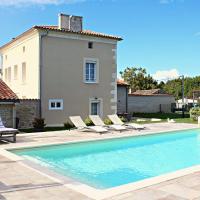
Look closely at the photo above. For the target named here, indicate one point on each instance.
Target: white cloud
(166, 75)
(36, 2)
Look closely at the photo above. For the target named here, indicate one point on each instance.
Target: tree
(174, 86)
(138, 79)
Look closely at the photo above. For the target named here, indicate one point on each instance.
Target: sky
(162, 36)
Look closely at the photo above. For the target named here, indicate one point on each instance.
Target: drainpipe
(41, 36)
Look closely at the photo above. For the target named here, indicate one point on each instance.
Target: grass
(164, 116)
(176, 115)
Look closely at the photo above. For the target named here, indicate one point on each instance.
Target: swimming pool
(108, 163)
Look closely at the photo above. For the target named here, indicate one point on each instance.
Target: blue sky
(161, 35)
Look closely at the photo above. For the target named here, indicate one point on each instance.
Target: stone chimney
(63, 21)
(70, 22)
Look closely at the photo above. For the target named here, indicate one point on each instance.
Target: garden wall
(150, 104)
(26, 111)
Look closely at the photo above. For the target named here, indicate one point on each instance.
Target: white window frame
(15, 72)
(6, 74)
(56, 101)
(96, 100)
(9, 74)
(24, 73)
(91, 60)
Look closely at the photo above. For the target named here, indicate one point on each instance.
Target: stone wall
(26, 111)
(150, 104)
(6, 113)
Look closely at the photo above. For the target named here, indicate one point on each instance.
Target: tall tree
(174, 86)
(138, 79)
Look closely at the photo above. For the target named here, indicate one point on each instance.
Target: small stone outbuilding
(8, 101)
(122, 97)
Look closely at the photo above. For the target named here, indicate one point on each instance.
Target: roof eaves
(87, 33)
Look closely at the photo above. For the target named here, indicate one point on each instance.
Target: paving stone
(181, 191)
(173, 197)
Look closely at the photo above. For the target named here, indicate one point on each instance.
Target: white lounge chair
(156, 120)
(98, 122)
(81, 126)
(117, 121)
(7, 132)
(171, 120)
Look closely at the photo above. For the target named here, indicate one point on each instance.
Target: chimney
(72, 23)
(63, 21)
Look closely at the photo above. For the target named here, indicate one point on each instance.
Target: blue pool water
(109, 163)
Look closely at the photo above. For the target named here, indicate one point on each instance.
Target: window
(91, 71)
(24, 72)
(24, 49)
(55, 104)
(96, 106)
(15, 72)
(6, 74)
(90, 45)
(6, 57)
(9, 74)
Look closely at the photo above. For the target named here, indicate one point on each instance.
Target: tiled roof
(152, 92)
(121, 82)
(84, 32)
(6, 93)
(55, 28)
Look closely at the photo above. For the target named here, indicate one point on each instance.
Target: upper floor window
(24, 72)
(15, 72)
(55, 104)
(91, 71)
(6, 74)
(90, 45)
(24, 49)
(9, 74)
(6, 57)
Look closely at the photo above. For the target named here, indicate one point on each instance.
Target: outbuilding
(150, 101)
(122, 97)
(8, 101)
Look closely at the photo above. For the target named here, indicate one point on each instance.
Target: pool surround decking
(40, 139)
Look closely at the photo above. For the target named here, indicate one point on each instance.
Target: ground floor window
(96, 107)
(55, 104)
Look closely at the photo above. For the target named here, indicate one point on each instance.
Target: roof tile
(6, 93)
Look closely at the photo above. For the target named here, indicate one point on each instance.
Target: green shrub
(88, 122)
(68, 125)
(38, 124)
(107, 121)
(195, 113)
(123, 119)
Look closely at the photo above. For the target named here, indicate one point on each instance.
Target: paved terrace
(19, 182)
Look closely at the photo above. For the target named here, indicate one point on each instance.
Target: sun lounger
(81, 126)
(7, 132)
(171, 120)
(117, 121)
(156, 120)
(98, 122)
